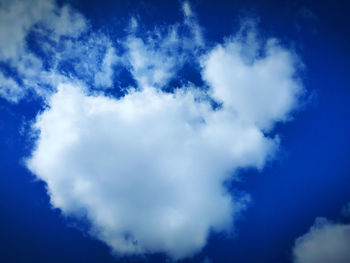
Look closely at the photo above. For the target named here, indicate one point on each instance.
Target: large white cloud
(325, 242)
(147, 169)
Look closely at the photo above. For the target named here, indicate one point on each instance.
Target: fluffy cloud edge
(326, 241)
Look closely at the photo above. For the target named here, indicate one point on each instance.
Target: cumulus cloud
(325, 242)
(259, 89)
(147, 169)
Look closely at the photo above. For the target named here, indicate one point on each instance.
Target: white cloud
(16, 19)
(59, 36)
(10, 90)
(90, 60)
(148, 169)
(156, 58)
(153, 63)
(191, 22)
(70, 50)
(187, 10)
(104, 77)
(325, 242)
(65, 22)
(259, 89)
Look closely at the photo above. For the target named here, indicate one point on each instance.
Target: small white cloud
(187, 9)
(10, 90)
(153, 63)
(104, 77)
(59, 29)
(192, 24)
(156, 58)
(325, 242)
(133, 25)
(259, 89)
(65, 22)
(16, 19)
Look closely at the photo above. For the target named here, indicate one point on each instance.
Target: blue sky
(161, 131)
